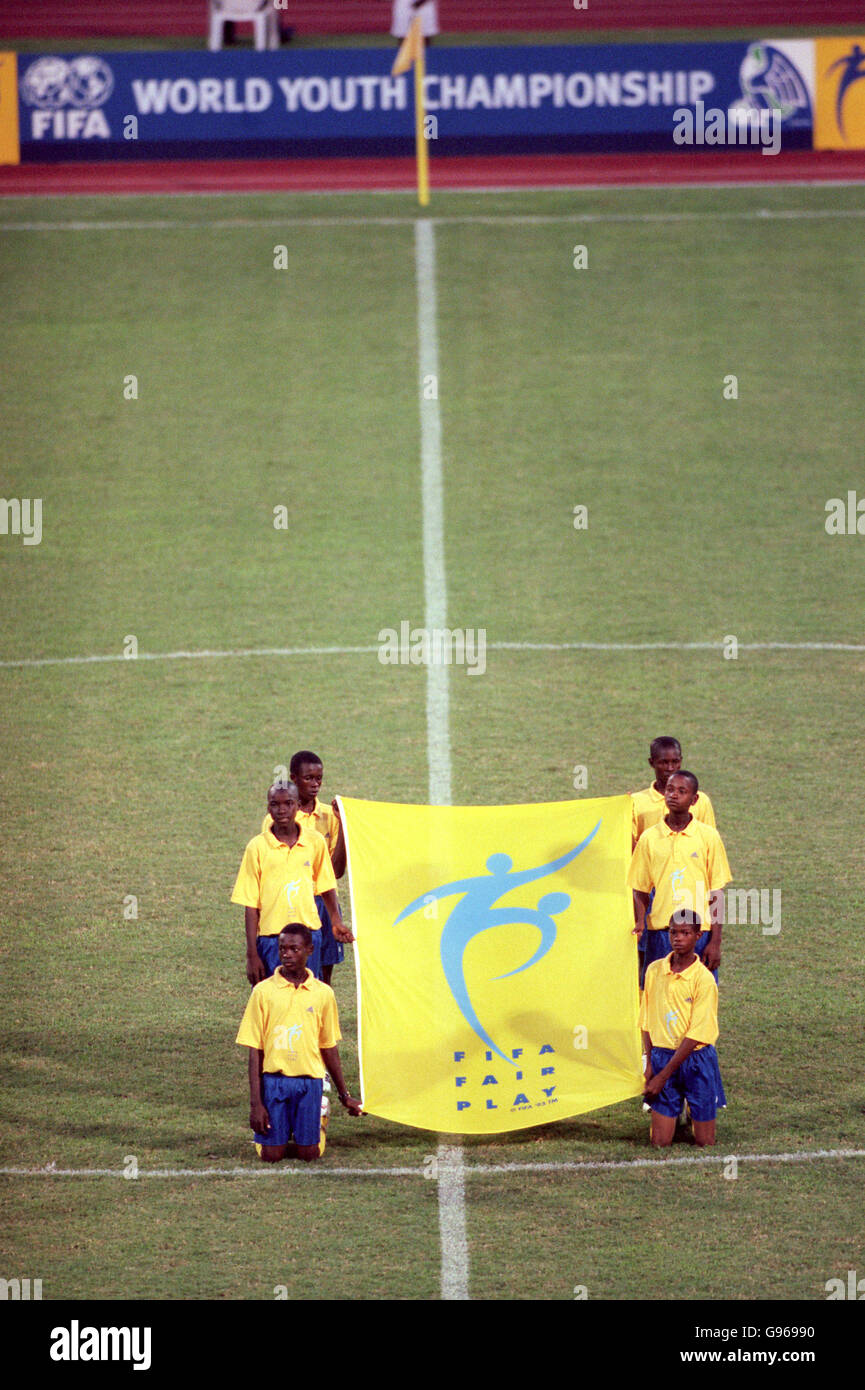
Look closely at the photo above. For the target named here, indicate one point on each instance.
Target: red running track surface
(398, 175)
(89, 20)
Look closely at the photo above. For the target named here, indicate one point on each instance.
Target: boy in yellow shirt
(306, 770)
(679, 1024)
(679, 862)
(282, 870)
(291, 1028)
(648, 806)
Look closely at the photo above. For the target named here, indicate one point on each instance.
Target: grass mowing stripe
(467, 219)
(451, 1183)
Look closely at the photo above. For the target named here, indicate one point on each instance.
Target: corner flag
(411, 51)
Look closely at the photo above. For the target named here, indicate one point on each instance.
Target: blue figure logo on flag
(475, 913)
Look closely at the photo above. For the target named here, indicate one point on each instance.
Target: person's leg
(704, 1133)
(268, 953)
(657, 944)
(704, 1092)
(314, 961)
(308, 1152)
(702, 942)
(272, 1153)
(273, 1146)
(306, 1118)
(331, 949)
(663, 1129)
(666, 1105)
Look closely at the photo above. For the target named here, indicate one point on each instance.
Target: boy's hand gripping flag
(497, 970)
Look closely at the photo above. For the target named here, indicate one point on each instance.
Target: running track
(398, 175)
(82, 19)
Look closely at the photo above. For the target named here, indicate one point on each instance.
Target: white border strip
(432, 488)
(214, 655)
(449, 1156)
(624, 186)
(506, 219)
(467, 1170)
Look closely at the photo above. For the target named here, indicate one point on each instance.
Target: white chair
(259, 13)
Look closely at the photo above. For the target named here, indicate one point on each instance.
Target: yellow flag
(497, 972)
(10, 148)
(409, 50)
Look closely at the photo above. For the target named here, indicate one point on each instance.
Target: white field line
(162, 224)
(215, 194)
(432, 490)
(468, 1170)
(449, 1158)
(216, 655)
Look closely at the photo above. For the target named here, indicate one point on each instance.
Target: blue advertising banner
(479, 100)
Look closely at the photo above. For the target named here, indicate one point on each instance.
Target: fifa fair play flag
(496, 966)
(411, 52)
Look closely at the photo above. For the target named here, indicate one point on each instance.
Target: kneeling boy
(679, 1022)
(291, 1028)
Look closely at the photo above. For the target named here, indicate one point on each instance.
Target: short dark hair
(685, 917)
(282, 786)
(299, 929)
(664, 741)
(690, 776)
(304, 756)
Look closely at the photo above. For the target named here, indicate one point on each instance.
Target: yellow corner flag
(411, 51)
(496, 966)
(10, 148)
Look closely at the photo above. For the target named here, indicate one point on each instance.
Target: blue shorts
(641, 943)
(658, 945)
(268, 954)
(697, 1080)
(293, 1105)
(331, 949)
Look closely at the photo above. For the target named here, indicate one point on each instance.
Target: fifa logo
(475, 913)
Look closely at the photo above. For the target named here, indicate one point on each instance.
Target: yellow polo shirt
(322, 818)
(676, 1006)
(683, 867)
(282, 882)
(290, 1024)
(649, 806)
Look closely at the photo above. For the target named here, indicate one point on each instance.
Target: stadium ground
(259, 387)
(398, 175)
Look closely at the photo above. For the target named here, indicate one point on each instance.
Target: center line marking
(449, 1158)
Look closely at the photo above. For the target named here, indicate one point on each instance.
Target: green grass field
(260, 388)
